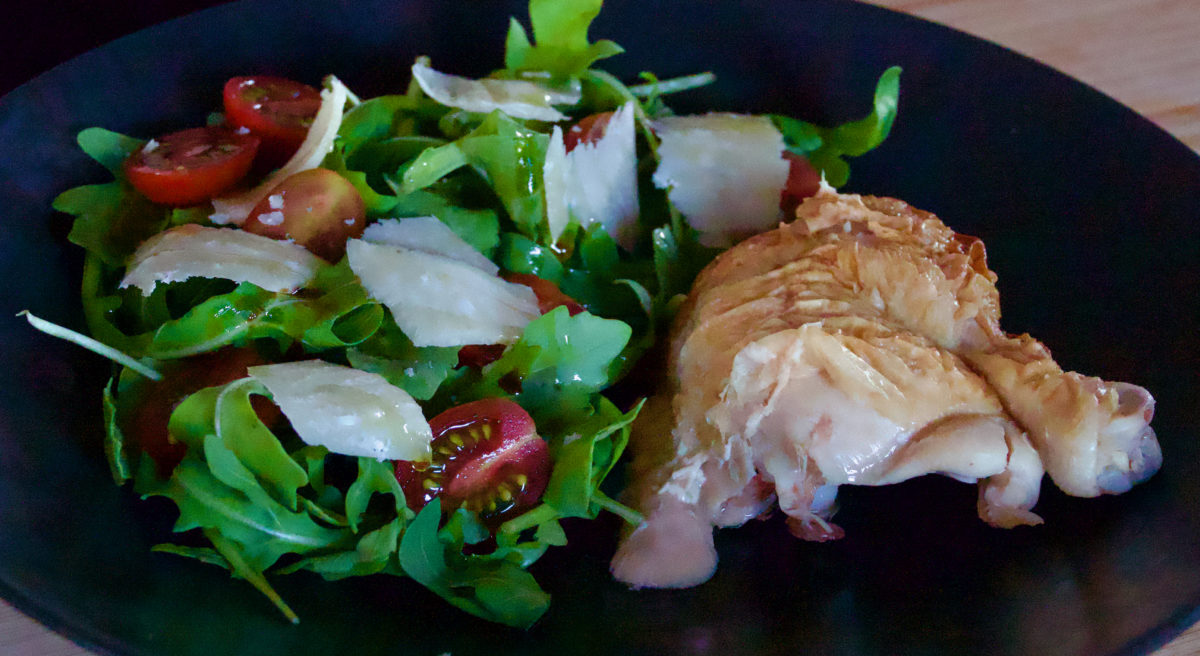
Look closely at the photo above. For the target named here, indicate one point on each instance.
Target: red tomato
(803, 180)
(487, 457)
(479, 356)
(191, 166)
(588, 130)
(317, 209)
(145, 407)
(549, 296)
(276, 109)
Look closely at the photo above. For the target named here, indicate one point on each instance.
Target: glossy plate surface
(1089, 213)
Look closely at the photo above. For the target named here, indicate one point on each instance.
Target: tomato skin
(478, 356)
(487, 457)
(803, 180)
(588, 130)
(191, 166)
(317, 209)
(276, 109)
(145, 406)
(549, 296)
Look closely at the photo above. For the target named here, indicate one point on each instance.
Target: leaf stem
(673, 85)
(251, 575)
(95, 346)
(619, 509)
(542, 513)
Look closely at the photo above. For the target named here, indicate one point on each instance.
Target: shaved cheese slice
(319, 141)
(439, 301)
(595, 182)
(347, 411)
(517, 98)
(429, 235)
(197, 251)
(724, 172)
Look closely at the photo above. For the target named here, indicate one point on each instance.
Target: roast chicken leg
(859, 345)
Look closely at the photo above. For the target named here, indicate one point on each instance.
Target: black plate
(1090, 214)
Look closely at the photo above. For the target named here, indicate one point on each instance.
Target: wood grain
(1144, 53)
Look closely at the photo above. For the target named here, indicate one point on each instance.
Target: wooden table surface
(1144, 53)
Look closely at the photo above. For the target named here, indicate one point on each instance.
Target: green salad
(361, 336)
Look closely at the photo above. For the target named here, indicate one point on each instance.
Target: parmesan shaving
(348, 411)
(193, 251)
(595, 182)
(725, 173)
(439, 301)
(428, 234)
(517, 98)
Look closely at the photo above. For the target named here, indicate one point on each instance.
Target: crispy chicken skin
(859, 344)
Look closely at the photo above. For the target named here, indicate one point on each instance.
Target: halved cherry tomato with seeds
(191, 166)
(487, 458)
(588, 130)
(317, 209)
(549, 296)
(276, 109)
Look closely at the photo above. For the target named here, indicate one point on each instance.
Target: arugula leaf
(114, 439)
(372, 554)
(384, 117)
(344, 314)
(341, 316)
(374, 476)
(109, 148)
(827, 148)
(111, 219)
(206, 555)
(225, 413)
(561, 361)
(416, 370)
(506, 153)
(560, 28)
(581, 463)
(478, 227)
(494, 589)
(263, 532)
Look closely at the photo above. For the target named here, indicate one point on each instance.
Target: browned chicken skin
(859, 344)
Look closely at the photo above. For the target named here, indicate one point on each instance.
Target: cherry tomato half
(145, 406)
(317, 209)
(191, 166)
(549, 296)
(803, 180)
(277, 110)
(588, 130)
(487, 457)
